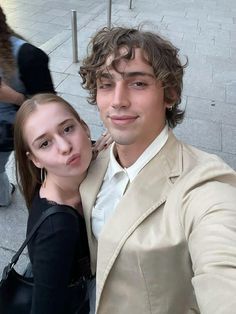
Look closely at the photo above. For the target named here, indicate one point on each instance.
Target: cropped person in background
(24, 72)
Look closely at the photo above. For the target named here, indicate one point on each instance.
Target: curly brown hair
(159, 53)
(7, 61)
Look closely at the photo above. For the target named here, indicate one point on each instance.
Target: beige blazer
(170, 247)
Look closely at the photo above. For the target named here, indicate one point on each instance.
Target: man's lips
(74, 159)
(123, 119)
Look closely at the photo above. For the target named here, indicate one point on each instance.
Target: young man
(160, 214)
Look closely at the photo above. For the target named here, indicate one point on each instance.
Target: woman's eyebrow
(44, 134)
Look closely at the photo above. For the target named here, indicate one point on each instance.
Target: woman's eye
(44, 144)
(68, 129)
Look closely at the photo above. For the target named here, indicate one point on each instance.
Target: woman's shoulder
(64, 217)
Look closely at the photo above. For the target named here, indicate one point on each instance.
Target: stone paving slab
(202, 133)
(204, 30)
(205, 109)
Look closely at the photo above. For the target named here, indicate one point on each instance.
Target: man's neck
(127, 155)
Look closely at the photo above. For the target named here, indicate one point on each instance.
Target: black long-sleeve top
(33, 69)
(60, 243)
(33, 76)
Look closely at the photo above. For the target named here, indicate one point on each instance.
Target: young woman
(53, 152)
(23, 71)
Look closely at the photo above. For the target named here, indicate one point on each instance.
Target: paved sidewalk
(204, 30)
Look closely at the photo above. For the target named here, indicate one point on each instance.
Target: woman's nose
(64, 145)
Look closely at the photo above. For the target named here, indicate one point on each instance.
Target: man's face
(131, 102)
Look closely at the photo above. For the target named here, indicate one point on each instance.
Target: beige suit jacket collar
(146, 193)
(89, 190)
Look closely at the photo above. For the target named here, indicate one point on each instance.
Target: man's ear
(170, 98)
(34, 160)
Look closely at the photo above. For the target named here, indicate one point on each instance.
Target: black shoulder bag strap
(50, 211)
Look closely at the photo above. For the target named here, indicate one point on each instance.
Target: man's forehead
(122, 62)
(122, 52)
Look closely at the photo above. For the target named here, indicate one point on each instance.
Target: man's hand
(102, 143)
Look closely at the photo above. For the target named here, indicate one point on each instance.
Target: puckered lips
(73, 160)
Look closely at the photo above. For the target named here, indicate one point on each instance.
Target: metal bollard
(74, 35)
(130, 4)
(109, 14)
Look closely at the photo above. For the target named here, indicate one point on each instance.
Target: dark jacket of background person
(24, 68)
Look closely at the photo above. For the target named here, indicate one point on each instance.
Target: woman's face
(57, 141)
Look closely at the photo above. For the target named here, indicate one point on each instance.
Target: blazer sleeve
(210, 226)
(53, 254)
(34, 71)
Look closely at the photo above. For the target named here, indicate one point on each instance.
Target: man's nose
(120, 95)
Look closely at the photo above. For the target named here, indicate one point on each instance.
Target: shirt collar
(132, 171)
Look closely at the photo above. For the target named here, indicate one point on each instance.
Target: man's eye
(104, 85)
(139, 84)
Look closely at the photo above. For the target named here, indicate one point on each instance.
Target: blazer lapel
(144, 195)
(89, 190)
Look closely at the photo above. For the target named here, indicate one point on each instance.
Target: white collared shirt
(116, 180)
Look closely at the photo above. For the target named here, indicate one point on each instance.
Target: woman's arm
(9, 95)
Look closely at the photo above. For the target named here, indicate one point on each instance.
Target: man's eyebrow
(137, 73)
(105, 75)
(108, 75)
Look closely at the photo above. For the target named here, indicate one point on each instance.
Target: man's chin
(123, 140)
